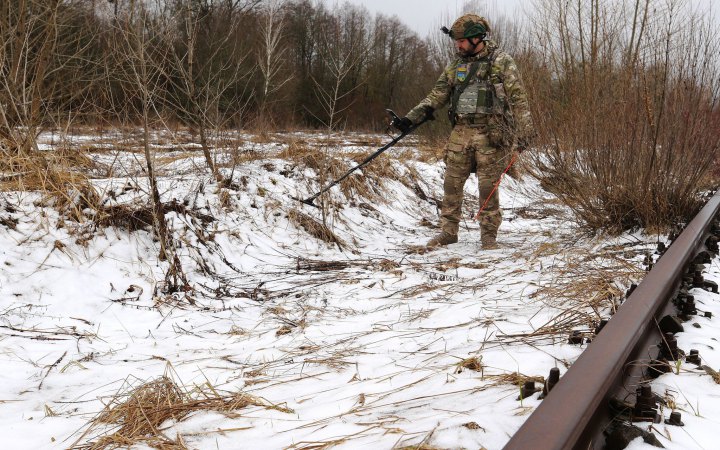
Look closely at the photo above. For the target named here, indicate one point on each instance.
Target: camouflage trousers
(468, 151)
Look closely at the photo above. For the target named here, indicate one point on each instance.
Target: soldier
(490, 117)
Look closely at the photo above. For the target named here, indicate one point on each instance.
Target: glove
(429, 113)
(403, 124)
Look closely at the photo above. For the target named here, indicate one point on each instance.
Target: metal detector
(395, 119)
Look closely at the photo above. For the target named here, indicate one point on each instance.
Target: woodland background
(624, 93)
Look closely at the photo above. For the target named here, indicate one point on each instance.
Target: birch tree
(272, 54)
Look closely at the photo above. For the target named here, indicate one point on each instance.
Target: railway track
(603, 397)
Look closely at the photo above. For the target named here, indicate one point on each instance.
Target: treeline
(212, 63)
(624, 93)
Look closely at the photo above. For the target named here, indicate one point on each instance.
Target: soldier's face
(467, 47)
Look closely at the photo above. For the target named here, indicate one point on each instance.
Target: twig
(51, 368)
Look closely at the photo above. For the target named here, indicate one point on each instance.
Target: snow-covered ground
(359, 343)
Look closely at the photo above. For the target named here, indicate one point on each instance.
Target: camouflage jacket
(503, 70)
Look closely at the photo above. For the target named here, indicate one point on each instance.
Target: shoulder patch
(462, 72)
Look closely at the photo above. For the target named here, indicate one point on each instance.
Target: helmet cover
(469, 26)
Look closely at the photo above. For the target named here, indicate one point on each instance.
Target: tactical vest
(476, 91)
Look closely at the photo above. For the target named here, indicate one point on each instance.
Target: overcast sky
(424, 16)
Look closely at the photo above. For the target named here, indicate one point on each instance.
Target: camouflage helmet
(468, 26)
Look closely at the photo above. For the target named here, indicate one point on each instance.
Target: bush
(626, 125)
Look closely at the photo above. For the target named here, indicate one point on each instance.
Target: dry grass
(582, 289)
(515, 379)
(138, 216)
(177, 154)
(136, 415)
(474, 364)
(33, 172)
(313, 227)
(713, 374)
(590, 284)
(225, 198)
(296, 150)
(431, 149)
(56, 176)
(128, 217)
(473, 426)
(367, 183)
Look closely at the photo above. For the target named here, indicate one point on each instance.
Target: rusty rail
(577, 410)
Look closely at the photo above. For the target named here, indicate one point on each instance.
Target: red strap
(497, 183)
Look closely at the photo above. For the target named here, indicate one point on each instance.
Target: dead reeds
(368, 183)
(141, 414)
(314, 227)
(55, 176)
(581, 290)
(514, 378)
(474, 363)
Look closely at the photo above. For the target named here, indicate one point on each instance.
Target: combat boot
(488, 240)
(444, 238)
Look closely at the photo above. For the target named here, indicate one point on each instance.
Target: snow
(366, 354)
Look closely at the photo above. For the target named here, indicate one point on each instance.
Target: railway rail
(595, 404)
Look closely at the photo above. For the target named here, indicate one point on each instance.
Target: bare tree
(203, 68)
(341, 52)
(271, 56)
(137, 52)
(40, 52)
(46, 71)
